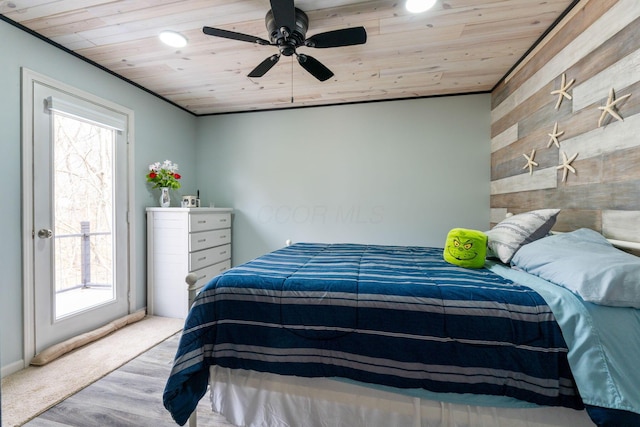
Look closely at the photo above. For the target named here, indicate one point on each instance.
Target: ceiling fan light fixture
(173, 39)
(419, 6)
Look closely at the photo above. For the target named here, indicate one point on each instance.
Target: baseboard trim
(12, 368)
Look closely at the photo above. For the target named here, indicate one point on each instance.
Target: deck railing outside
(90, 264)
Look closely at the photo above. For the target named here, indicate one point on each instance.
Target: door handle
(45, 233)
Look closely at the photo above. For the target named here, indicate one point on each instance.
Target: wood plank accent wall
(598, 45)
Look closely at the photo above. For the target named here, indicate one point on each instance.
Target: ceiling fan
(287, 26)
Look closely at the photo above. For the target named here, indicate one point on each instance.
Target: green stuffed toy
(466, 248)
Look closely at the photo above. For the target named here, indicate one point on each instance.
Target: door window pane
(83, 180)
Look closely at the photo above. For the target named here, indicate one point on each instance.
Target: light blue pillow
(584, 262)
(513, 232)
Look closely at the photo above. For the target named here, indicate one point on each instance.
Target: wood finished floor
(129, 396)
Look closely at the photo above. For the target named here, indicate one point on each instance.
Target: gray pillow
(516, 231)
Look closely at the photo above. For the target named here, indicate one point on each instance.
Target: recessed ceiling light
(173, 39)
(419, 6)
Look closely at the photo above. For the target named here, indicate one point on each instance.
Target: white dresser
(182, 241)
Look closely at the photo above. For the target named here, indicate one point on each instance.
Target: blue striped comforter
(389, 315)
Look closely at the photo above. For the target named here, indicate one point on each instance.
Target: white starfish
(562, 92)
(554, 136)
(530, 163)
(566, 165)
(610, 107)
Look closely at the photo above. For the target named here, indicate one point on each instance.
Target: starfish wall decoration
(562, 92)
(554, 136)
(610, 108)
(566, 165)
(530, 163)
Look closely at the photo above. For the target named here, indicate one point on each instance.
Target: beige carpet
(33, 390)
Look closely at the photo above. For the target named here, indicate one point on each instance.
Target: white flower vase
(165, 200)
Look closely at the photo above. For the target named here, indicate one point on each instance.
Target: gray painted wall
(399, 173)
(162, 131)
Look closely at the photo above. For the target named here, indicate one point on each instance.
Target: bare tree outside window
(83, 206)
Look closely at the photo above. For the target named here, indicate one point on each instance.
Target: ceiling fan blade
(314, 67)
(338, 38)
(234, 36)
(264, 66)
(284, 14)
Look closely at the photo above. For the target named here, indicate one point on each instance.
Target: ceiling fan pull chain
(292, 79)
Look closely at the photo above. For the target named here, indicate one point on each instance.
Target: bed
(372, 335)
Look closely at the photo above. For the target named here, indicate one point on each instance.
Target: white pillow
(516, 231)
(584, 262)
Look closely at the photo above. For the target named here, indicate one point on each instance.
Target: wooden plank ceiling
(460, 46)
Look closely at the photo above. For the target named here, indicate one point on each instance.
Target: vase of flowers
(164, 176)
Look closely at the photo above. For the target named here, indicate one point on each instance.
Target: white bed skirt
(255, 399)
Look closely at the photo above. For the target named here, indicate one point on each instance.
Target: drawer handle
(202, 240)
(202, 259)
(224, 236)
(223, 252)
(202, 221)
(223, 219)
(202, 277)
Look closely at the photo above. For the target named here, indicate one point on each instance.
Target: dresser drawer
(208, 273)
(209, 239)
(204, 258)
(208, 221)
